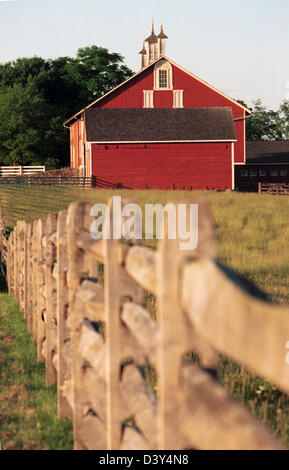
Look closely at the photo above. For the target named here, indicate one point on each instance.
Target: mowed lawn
(253, 239)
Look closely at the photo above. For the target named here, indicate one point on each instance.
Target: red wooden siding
(196, 95)
(165, 166)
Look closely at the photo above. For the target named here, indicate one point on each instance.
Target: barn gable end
(163, 84)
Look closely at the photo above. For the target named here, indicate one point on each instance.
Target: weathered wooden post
(20, 262)
(10, 263)
(63, 338)
(51, 321)
(40, 289)
(34, 279)
(78, 219)
(2, 227)
(117, 286)
(176, 333)
(15, 262)
(28, 295)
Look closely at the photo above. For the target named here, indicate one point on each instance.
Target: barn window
(283, 172)
(262, 172)
(253, 172)
(178, 99)
(274, 172)
(148, 99)
(163, 76)
(244, 172)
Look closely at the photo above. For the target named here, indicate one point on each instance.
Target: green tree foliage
(37, 96)
(267, 124)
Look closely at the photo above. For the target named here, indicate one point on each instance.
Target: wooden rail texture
(84, 302)
(77, 181)
(274, 188)
(20, 170)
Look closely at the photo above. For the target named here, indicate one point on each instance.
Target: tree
(284, 117)
(267, 125)
(37, 96)
(22, 117)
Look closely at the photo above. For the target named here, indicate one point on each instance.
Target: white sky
(239, 46)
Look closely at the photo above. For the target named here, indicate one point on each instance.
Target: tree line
(38, 95)
(267, 124)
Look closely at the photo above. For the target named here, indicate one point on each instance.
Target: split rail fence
(84, 301)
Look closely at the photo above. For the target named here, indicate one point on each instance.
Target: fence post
(34, 280)
(259, 188)
(176, 333)
(10, 263)
(63, 339)
(2, 228)
(116, 288)
(41, 291)
(51, 321)
(15, 259)
(20, 262)
(78, 217)
(28, 294)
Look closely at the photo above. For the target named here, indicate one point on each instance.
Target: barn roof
(268, 151)
(159, 125)
(139, 73)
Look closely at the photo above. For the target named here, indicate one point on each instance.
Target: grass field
(28, 410)
(253, 236)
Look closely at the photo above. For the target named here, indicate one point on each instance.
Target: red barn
(162, 128)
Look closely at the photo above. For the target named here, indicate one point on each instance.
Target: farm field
(253, 236)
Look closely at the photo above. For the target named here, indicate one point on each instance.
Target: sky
(241, 47)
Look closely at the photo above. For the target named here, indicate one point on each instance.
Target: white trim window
(148, 99)
(262, 173)
(178, 99)
(163, 76)
(283, 172)
(274, 172)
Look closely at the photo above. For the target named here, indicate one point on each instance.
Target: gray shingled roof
(268, 151)
(161, 124)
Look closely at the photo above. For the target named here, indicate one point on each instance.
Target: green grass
(28, 410)
(253, 239)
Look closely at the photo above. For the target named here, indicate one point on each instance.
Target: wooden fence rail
(78, 181)
(20, 170)
(274, 188)
(84, 302)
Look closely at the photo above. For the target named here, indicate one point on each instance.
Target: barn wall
(254, 174)
(165, 166)
(196, 95)
(77, 140)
